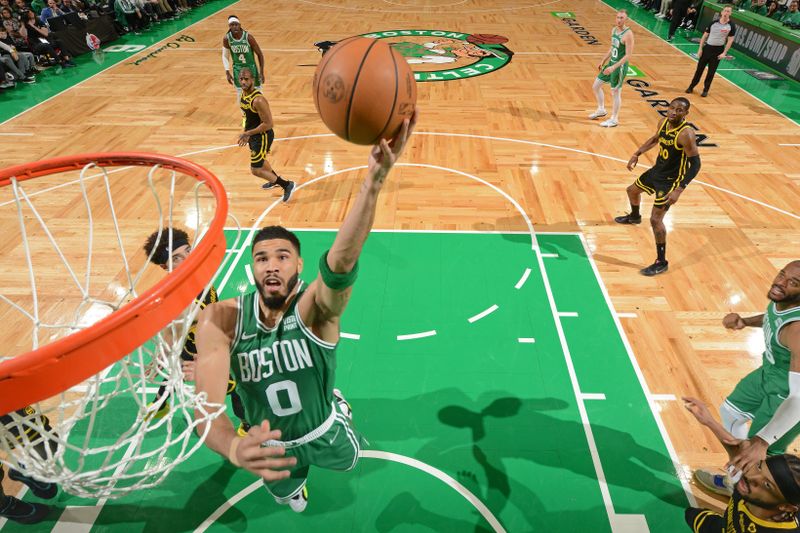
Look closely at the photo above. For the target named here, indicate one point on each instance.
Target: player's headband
(233, 19)
(161, 256)
(779, 468)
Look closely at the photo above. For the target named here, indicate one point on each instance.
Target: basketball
(363, 89)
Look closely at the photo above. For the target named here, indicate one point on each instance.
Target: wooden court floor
(521, 129)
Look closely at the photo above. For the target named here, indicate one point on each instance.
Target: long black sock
(634, 210)
(661, 251)
(282, 182)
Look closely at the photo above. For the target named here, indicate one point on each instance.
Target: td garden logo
(437, 55)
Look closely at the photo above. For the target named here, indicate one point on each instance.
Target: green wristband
(334, 280)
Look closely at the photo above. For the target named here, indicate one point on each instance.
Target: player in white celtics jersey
(613, 68)
(764, 408)
(279, 343)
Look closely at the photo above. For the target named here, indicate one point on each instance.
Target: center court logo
(438, 55)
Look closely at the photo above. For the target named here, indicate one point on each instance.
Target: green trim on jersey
(242, 56)
(284, 374)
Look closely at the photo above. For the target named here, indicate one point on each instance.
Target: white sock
(616, 97)
(598, 93)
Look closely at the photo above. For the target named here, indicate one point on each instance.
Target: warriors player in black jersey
(765, 500)
(12, 508)
(258, 133)
(677, 164)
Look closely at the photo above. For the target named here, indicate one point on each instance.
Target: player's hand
(229, 77)
(733, 321)
(721, 56)
(267, 462)
(261, 77)
(188, 370)
(243, 139)
(698, 409)
(14, 55)
(633, 161)
(751, 452)
(672, 198)
(699, 51)
(608, 71)
(600, 66)
(385, 154)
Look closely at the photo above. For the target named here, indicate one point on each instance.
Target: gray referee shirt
(718, 33)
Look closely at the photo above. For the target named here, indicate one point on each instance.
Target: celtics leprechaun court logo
(438, 55)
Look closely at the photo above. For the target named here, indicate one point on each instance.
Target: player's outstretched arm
(215, 327)
(736, 321)
(704, 416)
(328, 295)
(226, 60)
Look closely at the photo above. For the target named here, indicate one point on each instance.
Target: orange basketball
(363, 89)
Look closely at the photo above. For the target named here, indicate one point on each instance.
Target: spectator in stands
(52, 10)
(42, 43)
(690, 20)
(664, 11)
(772, 10)
(132, 15)
(12, 25)
(19, 8)
(759, 7)
(5, 83)
(21, 64)
(792, 16)
(678, 11)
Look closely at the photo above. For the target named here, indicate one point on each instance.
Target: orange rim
(40, 374)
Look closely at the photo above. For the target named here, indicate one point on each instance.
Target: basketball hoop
(110, 349)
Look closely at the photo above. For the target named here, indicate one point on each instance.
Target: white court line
(526, 340)
(550, 256)
(483, 313)
(593, 396)
(523, 279)
(249, 271)
(788, 144)
(729, 69)
(567, 314)
(663, 397)
(353, 336)
(372, 454)
(627, 315)
(466, 135)
(410, 336)
(637, 369)
(16, 134)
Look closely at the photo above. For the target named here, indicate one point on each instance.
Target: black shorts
(654, 183)
(259, 148)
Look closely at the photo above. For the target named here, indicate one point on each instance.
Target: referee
(717, 39)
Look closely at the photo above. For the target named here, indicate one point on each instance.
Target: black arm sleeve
(694, 168)
(704, 521)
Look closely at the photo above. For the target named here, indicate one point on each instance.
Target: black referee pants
(709, 58)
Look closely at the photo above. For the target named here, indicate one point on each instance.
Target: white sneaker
(610, 123)
(714, 482)
(597, 114)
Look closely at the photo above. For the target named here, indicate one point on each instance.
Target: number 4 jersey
(285, 374)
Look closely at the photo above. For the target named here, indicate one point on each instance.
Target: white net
(72, 254)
